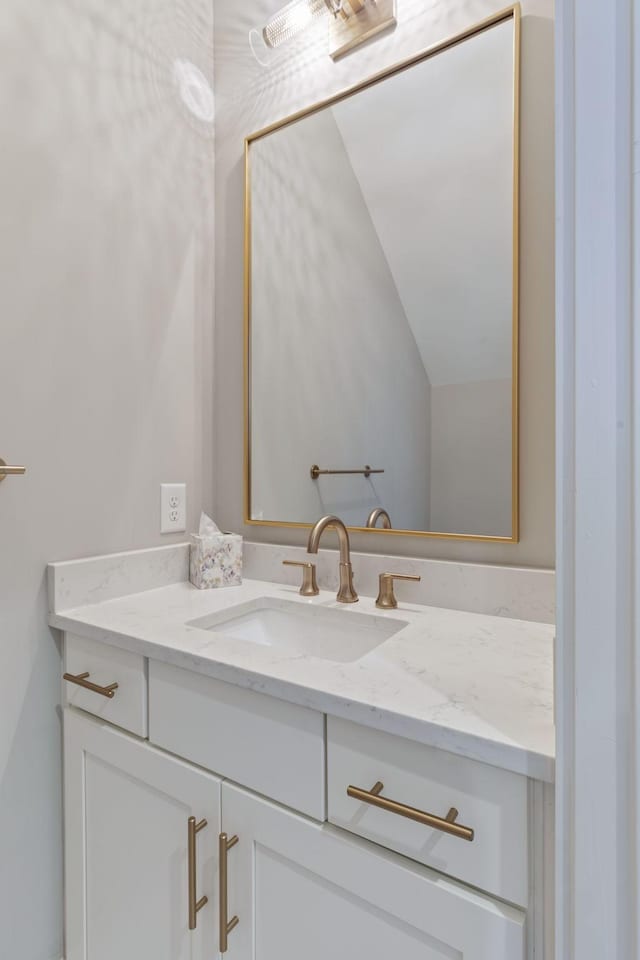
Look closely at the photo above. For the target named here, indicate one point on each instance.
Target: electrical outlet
(173, 507)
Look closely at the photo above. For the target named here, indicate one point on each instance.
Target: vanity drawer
(273, 747)
(492, 802)
(105, 666)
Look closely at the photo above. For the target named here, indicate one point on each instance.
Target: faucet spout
(375, 515)
(346, 592)
(343, 536)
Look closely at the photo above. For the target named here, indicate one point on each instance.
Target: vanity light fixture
(293, 19)
(351, 22)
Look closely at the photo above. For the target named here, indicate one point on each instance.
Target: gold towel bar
(7, 471)
(446, 824)
(315, 471)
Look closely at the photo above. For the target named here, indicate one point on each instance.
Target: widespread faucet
(346, 593)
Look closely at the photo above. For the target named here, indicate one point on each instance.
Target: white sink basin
(304, 629)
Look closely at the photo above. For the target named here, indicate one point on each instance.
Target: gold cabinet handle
(7, 471)
(446, 824)
(82, 680)
(226, 926)
(193, 828)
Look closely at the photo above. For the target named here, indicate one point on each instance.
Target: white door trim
(597, 548)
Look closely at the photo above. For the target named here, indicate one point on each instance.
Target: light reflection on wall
(194, 89)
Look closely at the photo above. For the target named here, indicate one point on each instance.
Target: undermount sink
(304, 629)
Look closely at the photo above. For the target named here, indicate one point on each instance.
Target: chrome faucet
(346, 593)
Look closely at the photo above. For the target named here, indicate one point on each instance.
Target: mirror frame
(512, 12)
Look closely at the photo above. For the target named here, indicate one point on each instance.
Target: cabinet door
(127, 807)
(303, 889)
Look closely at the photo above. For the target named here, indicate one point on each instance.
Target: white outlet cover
(173, 507)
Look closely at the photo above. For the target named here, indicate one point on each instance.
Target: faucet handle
(386, 598)
(309, 586)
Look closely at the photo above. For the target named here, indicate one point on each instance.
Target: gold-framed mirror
(381, 299)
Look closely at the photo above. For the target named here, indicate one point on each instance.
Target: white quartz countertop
(476, 685)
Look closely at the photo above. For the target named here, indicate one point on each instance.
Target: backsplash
(525, 593)
(519, 592)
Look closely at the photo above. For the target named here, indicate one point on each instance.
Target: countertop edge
(516, 759)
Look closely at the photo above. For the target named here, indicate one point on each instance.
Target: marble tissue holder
(215, 560)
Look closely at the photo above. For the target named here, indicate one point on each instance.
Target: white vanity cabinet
(304, 880)
(307, 890)
(95, 663)
(127, 810)
(273, 747)
(414, 780)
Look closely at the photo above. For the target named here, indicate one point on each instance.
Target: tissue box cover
(215, 561)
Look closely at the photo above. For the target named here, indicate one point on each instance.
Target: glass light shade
(293, 18)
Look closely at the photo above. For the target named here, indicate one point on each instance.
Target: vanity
(253, 772)
(263, 771)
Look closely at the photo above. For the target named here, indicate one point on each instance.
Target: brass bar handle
(82, 680)
(195, 905)
(226, 926)
(446, 824)
(309, 587)
(316, 472)
(8, 471)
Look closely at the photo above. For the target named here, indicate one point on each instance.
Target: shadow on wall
(106, 299)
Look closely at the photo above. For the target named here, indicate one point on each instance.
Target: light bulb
(293, 18)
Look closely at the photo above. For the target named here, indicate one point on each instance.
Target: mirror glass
(382, 300)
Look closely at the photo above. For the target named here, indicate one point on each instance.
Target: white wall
(250, 96)
(307, 209)
(105, 356)
(471, 457)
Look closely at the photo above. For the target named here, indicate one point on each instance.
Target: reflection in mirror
(382, 300)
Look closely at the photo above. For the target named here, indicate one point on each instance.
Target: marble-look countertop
(477, 685)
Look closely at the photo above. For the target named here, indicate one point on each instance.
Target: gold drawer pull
(446, 824)
(226, 926)
(81, 679)
(194, 904)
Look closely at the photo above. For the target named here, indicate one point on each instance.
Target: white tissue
(207, 526)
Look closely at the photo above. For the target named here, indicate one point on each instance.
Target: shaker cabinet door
(127, 810)
(304, 889)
